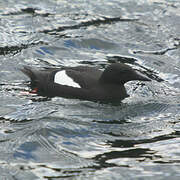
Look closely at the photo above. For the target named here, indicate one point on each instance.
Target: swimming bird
(83, 82)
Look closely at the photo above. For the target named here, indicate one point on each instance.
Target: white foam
(62, 78)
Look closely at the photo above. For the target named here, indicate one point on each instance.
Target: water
(60, 138)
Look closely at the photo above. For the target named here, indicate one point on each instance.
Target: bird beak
(141, 77)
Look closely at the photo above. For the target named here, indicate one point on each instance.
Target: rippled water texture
(60, 138)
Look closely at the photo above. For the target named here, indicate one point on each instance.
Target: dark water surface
(60, 138)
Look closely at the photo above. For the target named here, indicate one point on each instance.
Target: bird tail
(28, 72)
(32, 74)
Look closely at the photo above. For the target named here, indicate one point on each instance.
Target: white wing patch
(62, 78)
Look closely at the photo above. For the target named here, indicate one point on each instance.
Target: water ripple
(58, 138)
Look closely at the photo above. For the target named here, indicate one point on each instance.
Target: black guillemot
(83, 82)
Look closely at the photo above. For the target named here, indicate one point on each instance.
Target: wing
(86, 77)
